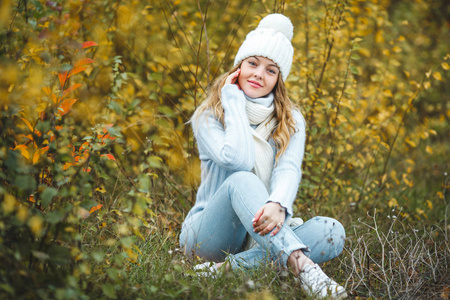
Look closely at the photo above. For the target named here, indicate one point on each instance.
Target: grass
(384, 258)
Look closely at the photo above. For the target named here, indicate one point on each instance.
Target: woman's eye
(272, 72)
(252, 63)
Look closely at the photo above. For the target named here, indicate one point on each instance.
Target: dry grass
(386, 258)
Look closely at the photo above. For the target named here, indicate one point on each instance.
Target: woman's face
(258, 76)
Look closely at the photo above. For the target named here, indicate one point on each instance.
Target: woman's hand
(268, 217)
(232, 78)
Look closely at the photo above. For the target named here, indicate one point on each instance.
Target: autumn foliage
(96, 155)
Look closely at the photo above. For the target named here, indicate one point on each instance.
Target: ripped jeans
(219, 231)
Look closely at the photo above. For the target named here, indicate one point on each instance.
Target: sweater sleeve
(230, 146)
(287, 172)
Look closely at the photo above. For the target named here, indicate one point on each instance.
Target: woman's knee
(245, 181)
(336, 232)
(242, 176)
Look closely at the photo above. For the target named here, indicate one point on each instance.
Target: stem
(307, 47)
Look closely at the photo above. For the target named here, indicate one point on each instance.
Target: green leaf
(154, 162)
(128, 241)
(109, 291)
(113, 273)
(25, 182)
(59, 255)
(155, 76)
(354, 70)
(47, 196)
(55, 216)
(168, 89)
(144, 183)
(166, 110)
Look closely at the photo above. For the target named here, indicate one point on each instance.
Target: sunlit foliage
(95, 152)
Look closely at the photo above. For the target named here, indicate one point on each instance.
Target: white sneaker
(207, 269)
(318, 285)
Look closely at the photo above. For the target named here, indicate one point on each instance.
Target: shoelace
(318, 279)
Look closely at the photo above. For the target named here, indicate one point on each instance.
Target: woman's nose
(258, 72)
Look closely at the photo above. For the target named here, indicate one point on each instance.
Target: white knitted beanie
(271, 39)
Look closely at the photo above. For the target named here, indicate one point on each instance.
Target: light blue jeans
(219, 231)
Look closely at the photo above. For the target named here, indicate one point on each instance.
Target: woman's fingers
(277, 228)
(265, 227)
(232, 77)
(257, 218)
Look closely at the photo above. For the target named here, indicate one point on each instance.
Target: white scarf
(263, 118)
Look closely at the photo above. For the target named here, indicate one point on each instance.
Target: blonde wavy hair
(283, 110)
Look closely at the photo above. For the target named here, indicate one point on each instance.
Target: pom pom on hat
(280, 23)
(271, 39)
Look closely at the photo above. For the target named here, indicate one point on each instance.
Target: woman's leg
(323, 236)
(222, 226)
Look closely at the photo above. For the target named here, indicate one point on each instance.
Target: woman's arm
(285, 179)
(230, 147)
(287, 173)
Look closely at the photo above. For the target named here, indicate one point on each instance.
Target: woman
(251, 142)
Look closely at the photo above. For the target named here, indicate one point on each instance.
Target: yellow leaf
(383, 179)
(23, 150)
(101, 190)
(393, 202)
(440, 195)
(421, 212)
(437, 76)
(35, 224)
(28, 124)
(428, 74)
(8, 204)
(445, 66)
(429, 150)
(397, 49)
(22, 214)
(406, 73)
(410, 161)
(364, 51)
(410, 142)
(38, 154)
(387, 93)
(379, 37)
(426, 85)
(408, 182)
(401, 38)
(429, 204)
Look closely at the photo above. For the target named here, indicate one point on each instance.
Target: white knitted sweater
(224, 151)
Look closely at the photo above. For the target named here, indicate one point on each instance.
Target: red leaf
(66, 106)
(76, 71)
(85, 146)
(82, 62)
(88, 44)
(62, 78)
(109, 156)
(94, 208)
(71, 89)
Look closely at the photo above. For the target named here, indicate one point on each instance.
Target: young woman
(251, 142)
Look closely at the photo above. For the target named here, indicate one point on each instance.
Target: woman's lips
(254, 84)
